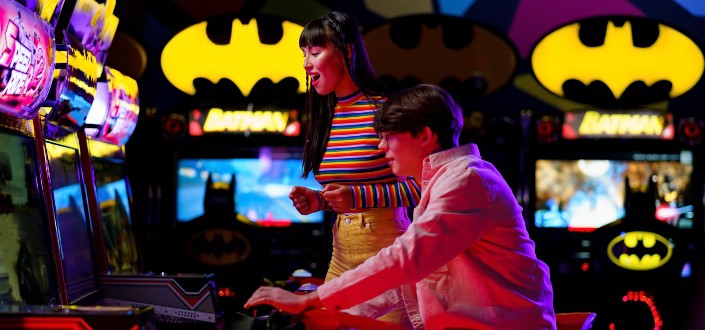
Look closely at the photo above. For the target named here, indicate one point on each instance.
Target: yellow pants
(358, 236)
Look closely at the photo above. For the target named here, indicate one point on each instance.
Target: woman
(341, 150)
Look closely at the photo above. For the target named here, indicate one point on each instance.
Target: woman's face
(326, 68)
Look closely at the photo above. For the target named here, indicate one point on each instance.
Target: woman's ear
(351, 53)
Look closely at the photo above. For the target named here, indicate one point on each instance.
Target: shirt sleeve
(451, 223)
(397, 194)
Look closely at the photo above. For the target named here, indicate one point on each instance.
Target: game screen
(26, 271)
(118, 230)
(74, 228)
(262, 186)
(585, 194)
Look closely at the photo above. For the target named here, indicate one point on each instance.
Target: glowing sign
(26, 60)
(76, 86)
(635, 124)
(217, 120)
(613, 60)
(115, 111)
(244, 60)
(48, 10)
(639, 250)
(95, 25)
(124, 109)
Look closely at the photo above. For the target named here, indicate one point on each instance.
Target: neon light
(244, 60)
(648, 240)
(595, 123)
(562, 56)
(219, 120)
(646, 298)
(26, 60)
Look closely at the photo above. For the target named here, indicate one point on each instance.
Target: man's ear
(428, 136)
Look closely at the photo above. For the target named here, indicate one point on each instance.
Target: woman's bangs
(314, 34)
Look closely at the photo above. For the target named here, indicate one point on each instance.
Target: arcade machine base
(188, 300)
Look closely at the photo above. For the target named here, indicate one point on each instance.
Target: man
(467, 260)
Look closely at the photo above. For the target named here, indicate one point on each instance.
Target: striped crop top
(352, 158)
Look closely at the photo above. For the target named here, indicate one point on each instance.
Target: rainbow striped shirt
(352, 158)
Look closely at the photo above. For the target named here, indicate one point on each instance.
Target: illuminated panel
(95, 25)
(244, 60)
(617, 61)
(642, 124)
(26, 60)
(217, 120)
(121, 109)
(99, 110)
(76, 86)
(585, 194)
(48, 10)
(640, 250)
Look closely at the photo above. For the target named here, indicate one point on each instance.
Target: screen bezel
(84, 292)
(37, 201)
(137, 265)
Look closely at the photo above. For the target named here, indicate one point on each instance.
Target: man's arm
(455, 218)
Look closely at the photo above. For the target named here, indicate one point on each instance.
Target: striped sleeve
(395, 194)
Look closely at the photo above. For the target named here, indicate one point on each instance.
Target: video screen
(262, 186)
(71, 213)
(118, 230)
(26, 271)
(585, 194)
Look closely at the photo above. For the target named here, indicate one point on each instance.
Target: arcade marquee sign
(596, 123)
(26, 60)
(217, 120)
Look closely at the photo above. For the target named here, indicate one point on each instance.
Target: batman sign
(219, 247)
(467, 59)
(639, 250)
(617, 61)
(248, 54)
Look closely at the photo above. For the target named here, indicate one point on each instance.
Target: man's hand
(284, 300)
(338, 197)
(305, 200)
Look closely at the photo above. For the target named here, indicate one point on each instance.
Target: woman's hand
(305, 200)
(338, 197)
(284, 300)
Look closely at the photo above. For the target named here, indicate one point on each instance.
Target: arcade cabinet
(618, 218)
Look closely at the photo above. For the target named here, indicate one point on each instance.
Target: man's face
(404, 153)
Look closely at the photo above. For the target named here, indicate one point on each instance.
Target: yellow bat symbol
(617, 59)
(245, 60)
(640, 250)
(431, 61)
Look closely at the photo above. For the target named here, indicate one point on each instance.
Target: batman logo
(617, 62)
(639, 250)
(247, 54)
(467, 59)
(219, 247)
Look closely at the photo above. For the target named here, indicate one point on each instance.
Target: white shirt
(466, 261)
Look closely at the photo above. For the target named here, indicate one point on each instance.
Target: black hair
(342, 31)
(420, 106)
